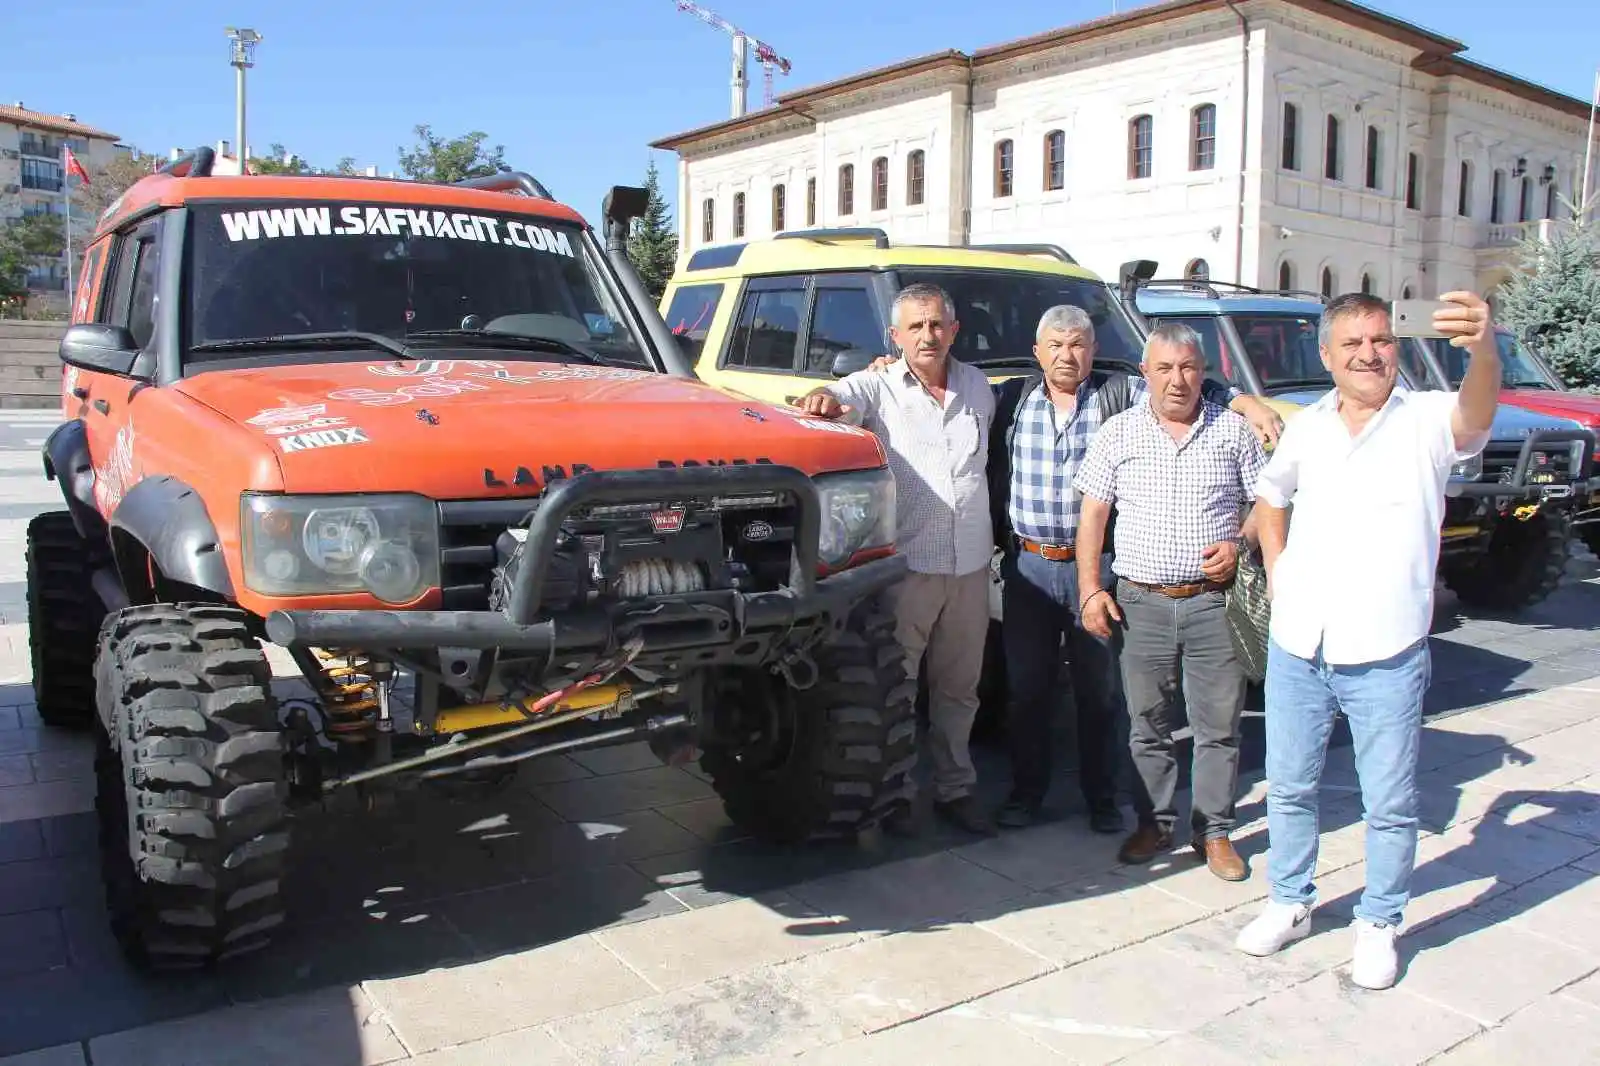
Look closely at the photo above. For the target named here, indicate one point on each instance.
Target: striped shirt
(1046, 451)
(1174, 499)
(939, 454)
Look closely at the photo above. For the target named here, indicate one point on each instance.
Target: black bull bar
(1571, 481)
(714, 616)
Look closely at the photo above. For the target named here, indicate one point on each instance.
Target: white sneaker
(1376, 964)
(1275, 927)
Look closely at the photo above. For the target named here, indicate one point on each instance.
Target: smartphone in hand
(1414, 318)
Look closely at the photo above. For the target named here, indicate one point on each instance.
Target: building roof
(794, 103)
(17, 115)
(1437, 55)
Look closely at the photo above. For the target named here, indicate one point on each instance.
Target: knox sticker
(323, 438)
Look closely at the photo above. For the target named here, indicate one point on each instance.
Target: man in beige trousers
(933, 415)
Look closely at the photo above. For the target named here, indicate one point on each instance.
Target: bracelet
(1090, 597)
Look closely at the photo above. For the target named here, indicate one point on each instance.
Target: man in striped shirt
(933, 414)
(1181, 472)
(1043, 428)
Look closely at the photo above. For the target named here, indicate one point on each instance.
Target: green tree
(1554, 296)
(279, 160)
(24, 241)
(652, 242)
(435, 159)
(106, 183)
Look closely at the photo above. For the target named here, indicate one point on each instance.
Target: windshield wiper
(494, 339)
(336, 339)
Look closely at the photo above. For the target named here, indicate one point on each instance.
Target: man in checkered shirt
(1180, 471)
(1044, 422)
(932, 413)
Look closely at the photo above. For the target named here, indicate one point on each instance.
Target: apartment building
(1312, 144)
(32, 173)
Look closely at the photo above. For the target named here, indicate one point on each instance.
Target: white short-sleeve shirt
(1356, 577)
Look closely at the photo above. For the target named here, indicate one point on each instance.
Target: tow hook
(1525, 511)
(798, 669)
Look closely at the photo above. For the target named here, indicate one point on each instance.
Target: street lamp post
(242, 55)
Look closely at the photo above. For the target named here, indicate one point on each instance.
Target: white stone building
(1313, 144)
(31, 176)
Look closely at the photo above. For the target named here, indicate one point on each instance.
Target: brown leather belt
(1055, 553)
(1181, 592)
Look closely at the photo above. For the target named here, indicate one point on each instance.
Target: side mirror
(851, 360)
(96, 346)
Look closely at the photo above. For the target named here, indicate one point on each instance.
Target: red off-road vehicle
(436, 442)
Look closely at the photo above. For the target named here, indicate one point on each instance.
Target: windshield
(1518, 368)
(1282, 349)
(999, 312)
(274, 269)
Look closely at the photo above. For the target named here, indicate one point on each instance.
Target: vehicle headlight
(387, 545)
(858, 511)
(1468, 469)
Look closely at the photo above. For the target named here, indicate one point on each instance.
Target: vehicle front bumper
(728, 624)
(1575, 482)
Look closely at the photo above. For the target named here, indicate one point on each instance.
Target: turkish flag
(75, 167)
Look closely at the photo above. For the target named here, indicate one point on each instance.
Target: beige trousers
(948, 618)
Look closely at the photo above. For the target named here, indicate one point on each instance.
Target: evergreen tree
(652, 242)
(1554, 298)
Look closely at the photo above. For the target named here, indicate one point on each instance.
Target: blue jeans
(1383, 701)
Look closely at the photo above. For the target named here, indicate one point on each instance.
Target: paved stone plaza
(603, 910)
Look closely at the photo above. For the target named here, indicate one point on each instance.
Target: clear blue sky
(574, 90)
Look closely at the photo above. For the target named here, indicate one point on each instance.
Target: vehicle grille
(1500, 461)
(758, 533)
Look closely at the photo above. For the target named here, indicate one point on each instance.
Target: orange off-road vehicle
(437, 443)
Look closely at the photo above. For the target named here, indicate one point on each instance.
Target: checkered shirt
(1173, 499)
(939, 456)
(1045, 454)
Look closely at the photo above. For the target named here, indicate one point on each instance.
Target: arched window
(1405, 292)
(1203, 137)
(1525, 201)
(777, 208)
(915, 162)
(811, 201)
(1197, 270)
(1285, 275)
(738, 214)
(1374, 145)
(1332, 156)
(1550, 201)
(1497, 198)
(1464, 191)
(1366, 284)
(1290, 158)
(880, 183)
(1141, 147)
(1327, 281)
(847, 189)
(1413, 179)
(708, 219)
(1003, 159)
(1055, 160)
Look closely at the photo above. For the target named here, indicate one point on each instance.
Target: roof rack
(507, 181)
(879, 238)
(1211, 288)
(195, 164)
(1055, 251)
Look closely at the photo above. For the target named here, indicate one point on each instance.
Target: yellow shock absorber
(483, 715)
(349, 693)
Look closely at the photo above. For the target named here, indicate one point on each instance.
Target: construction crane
(766, 55)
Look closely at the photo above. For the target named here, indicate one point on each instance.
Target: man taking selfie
(1351, 584)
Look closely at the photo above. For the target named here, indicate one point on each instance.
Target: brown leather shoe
(1220, 857)
(1144, 844)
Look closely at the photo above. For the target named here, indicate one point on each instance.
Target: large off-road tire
(191, 785)
(1591, 536)
(64, 615)
(837, 755)
(1522, 565)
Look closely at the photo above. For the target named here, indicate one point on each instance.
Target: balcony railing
(41, 183)
(1511, 234)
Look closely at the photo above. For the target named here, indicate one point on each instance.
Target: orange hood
(456, 429)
